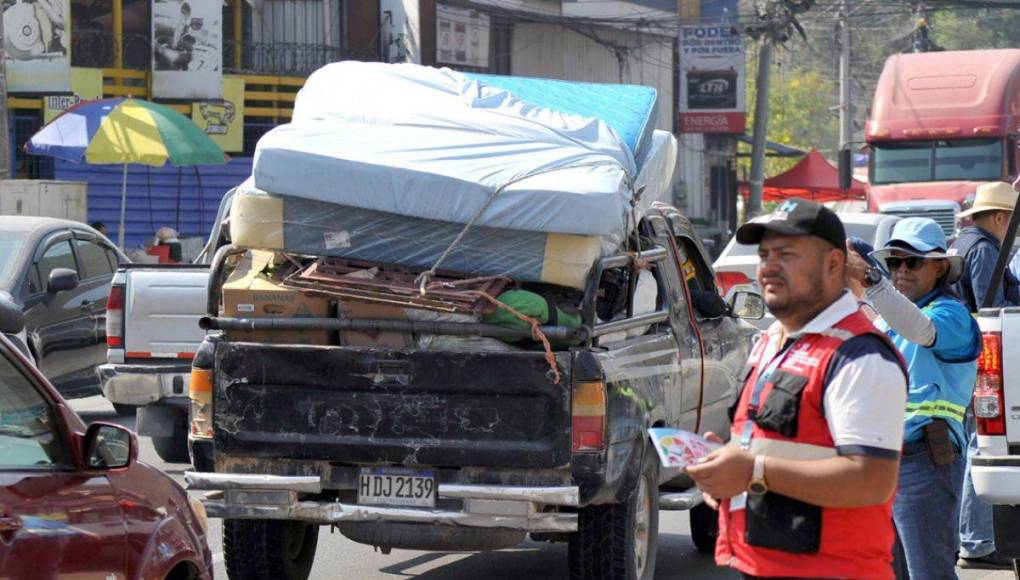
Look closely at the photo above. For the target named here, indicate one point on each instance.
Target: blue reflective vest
(941, 376)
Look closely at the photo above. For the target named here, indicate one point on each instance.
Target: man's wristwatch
(872, 276)
(757, 485)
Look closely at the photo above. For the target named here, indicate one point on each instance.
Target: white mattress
(430, 144)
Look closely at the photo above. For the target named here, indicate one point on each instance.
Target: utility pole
(779, 18)
(761, 128)
(845, 110)
(5, 155)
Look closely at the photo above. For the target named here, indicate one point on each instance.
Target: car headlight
(199, 510)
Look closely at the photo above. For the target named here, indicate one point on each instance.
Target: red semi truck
(941, 124)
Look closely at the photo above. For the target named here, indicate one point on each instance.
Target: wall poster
(38, 46)
(187, 49)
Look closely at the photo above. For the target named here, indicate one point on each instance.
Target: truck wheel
(257, 549)
(704, 528)
(618, 541)
(174, 449)
(124, 410)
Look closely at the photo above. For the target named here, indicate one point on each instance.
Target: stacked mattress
(316, 228)
(390, 162)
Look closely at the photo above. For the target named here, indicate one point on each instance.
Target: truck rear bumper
(997, 479)
(482, 506)
(142, 384)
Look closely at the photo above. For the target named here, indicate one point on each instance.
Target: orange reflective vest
(775, 535)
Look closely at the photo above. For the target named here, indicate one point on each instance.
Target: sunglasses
(913, 263)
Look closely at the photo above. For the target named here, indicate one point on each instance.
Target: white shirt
(865, 399)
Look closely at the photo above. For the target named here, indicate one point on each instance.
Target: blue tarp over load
(389, 162)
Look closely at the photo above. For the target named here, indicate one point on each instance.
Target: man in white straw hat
(979, 246)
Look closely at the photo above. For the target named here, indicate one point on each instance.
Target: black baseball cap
(796, 217)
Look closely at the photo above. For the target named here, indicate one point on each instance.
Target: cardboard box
(361, 310)
(248, 293)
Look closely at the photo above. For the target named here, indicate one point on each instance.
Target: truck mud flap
(399, 407)
(1006, 524)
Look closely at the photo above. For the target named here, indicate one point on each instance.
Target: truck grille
(945, 217)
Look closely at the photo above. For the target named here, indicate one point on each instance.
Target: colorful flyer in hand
(679, 448)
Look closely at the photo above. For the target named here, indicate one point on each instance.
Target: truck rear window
(942, 160)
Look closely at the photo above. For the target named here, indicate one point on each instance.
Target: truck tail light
(989, 403)
(727, 280)
(588, 417)
(115, 317)
(200, 393)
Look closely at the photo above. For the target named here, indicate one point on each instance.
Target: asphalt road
(338, 557)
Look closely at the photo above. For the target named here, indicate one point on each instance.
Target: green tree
(800, 114)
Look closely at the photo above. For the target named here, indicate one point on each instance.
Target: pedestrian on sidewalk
(940, 342)
(979, 245)
(806, 489)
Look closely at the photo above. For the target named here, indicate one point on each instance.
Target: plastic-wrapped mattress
(630, 110)
(285, 223)
(437, 145)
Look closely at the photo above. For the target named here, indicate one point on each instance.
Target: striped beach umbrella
(123, 131)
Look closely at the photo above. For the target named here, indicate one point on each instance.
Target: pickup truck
(467, 450)
(995, 470)
(152, 334)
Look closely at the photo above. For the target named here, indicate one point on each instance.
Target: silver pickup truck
(152, 335)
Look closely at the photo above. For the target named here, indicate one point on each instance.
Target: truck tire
(704, 528)
(124, 410)
(430, 537)
(174, 449)
(618, 541)
(257, 549)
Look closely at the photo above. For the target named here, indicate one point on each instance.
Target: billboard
(462, 37)
(187, 49)
(37, 39)
(711, 79)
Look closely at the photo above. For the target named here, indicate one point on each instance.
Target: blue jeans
(927, 515)
(976, 539)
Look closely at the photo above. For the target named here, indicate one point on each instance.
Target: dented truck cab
(469, 450)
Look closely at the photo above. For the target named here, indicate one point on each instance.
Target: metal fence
(97, 49)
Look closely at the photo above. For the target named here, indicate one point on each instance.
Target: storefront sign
(711, 79)
(86, 85)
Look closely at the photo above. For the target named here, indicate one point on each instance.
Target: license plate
(397, 486)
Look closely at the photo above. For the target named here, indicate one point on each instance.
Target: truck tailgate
(365, 406)
(162, 308)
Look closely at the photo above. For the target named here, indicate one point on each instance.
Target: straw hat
(997, 195)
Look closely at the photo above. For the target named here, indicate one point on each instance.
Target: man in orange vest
(805, 488)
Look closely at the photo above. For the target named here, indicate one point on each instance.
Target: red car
(74, 501)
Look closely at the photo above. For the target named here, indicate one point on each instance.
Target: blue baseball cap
(924, 238)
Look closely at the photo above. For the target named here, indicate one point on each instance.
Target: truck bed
(399, 407)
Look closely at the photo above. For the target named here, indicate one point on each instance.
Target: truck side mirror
(846, 168)
(746, 304)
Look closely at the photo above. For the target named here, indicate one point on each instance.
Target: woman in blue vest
(940, 342)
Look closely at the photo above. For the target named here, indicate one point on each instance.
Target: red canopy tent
(812, 178)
